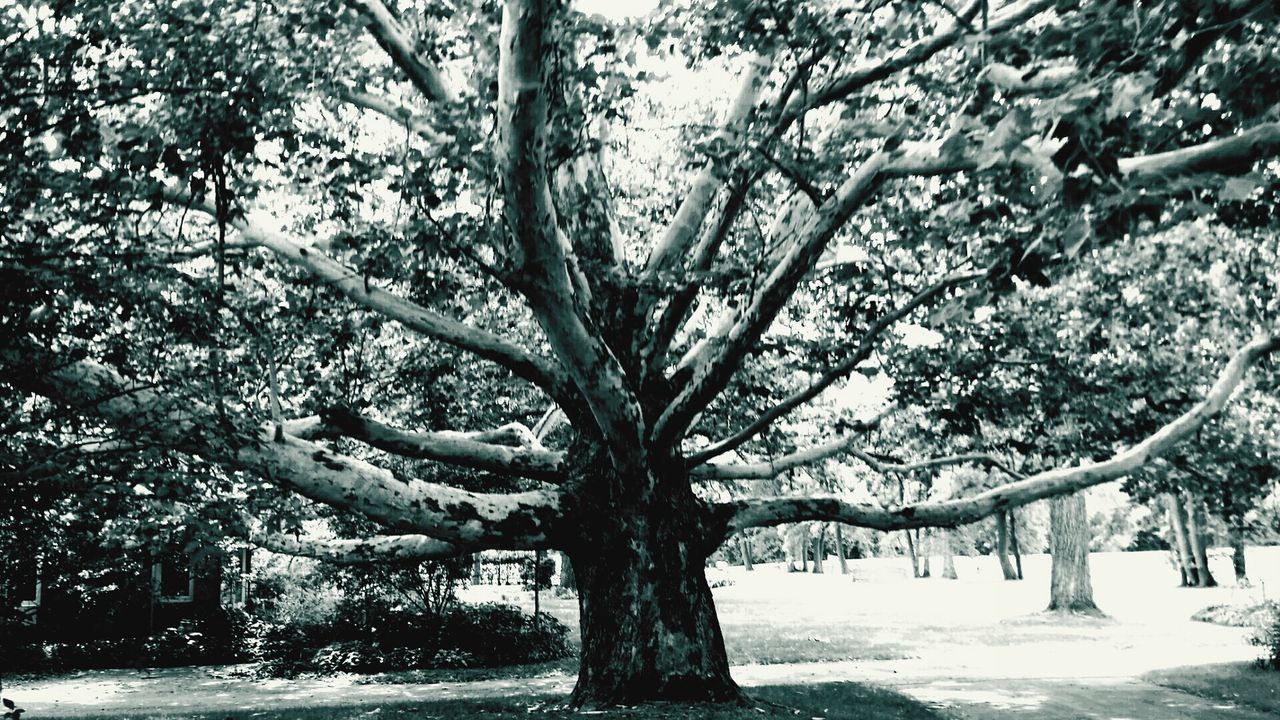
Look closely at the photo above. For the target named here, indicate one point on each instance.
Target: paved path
(982, 697)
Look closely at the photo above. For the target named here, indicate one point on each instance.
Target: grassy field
(1240, 682)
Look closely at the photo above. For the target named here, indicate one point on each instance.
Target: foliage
(1266, 635)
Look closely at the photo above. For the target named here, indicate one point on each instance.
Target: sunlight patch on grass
(1237, 683)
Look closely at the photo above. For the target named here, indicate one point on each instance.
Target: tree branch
(462, 449)
(398, 113)
(357, 288)
(741, 514)
(542, 254)
(1017, 81)
(1214, 155)
(365, 551)
(900, 468)
(509, 520)
(395, 41)
(772, 468)
(866, 345)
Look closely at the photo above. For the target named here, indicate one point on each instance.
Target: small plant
(11, 710)
(1266, 635)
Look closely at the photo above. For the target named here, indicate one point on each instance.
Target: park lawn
(1242, 683)
(829, 701)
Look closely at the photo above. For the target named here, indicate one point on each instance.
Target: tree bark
(1178, 521)
(1236, 529)
(1002, 547)
(1013, 543)
(949, 555)
(926, 546)
(567, 579)
(844, 564)
(744, 544)
(648, 620)
(911, 550)
(819, 548)
(1070, 587)
(1198, 535)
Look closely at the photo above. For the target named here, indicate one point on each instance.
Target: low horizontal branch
(363, 551)
(772, 468)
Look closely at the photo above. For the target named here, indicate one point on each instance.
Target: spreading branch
(741, 514)
(399, 113)
(903, 468)
(364, 551)
(503, 520)
(540, 250)
(400, 47)
(772, 468)
(866, 345)
(457, 448)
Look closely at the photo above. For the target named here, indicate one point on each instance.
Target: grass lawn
(829, 701)
(1240, 682)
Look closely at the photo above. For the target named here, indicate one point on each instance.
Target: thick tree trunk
(1002, 548)
(949, 555)
(648, 620)
(1070, 587)
(1236, 529)
(744, 544)
(1013, 543)
(844, 564)
(1198, 535)
(819, 548)
(911, 551)
(1178, 521)
(567, 580)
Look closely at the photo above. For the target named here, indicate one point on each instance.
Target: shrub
(497, 634)
(1267, 636)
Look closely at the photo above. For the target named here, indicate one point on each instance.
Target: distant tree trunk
(819, 548)
(1236, 529)
(1178, 521)
(567, 579)
(844, 564)
(1070, 586)
(1013, 542)
(926, 546)
(1198, 535)
(949, 555)
(911, 550)
(1002, 548)
(744, 544)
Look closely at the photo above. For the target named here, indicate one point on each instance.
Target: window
(172, 578)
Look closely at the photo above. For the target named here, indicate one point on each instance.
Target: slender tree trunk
(1198, 535)
(1002, 548)
(1178, 521)
(911, 550)
(648, 620)
(1236, 528)
(1013, 543)
(744, 544)
(949, 555)
(926, 548)
(1070, 586)
(844, 563)
(819, 548)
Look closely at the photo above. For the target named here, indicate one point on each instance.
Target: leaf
(1075, 236)
(1239, 188)
(1130, 93)
(9, 703)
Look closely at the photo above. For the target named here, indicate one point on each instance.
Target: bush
(1267, 636)
(496, 634)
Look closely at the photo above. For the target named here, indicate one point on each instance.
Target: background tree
(291, 241)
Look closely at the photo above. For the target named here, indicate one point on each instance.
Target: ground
(977, 648)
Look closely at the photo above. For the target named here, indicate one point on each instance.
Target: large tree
(211, 247)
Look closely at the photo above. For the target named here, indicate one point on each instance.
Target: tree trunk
(819, 548)
(949, 555)
(926, 546)
(844, 564)
(911, 550)
(744, 544)
(1070, 586)
(1013, 543)
(1178, 521)
(1236, 529)
(1002, 548)
(648, 620)
(1198, 535)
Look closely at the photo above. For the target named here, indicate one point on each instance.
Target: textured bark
(1236, 529)
(924, 540)
(1198, 535)
(1071, 589)
(1002, 547)
(649, 626)
(1181, 543)
(949, 555)
(1013, 543)
(844, 563)
(744, 544)
(819, 548)
(911, 554)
